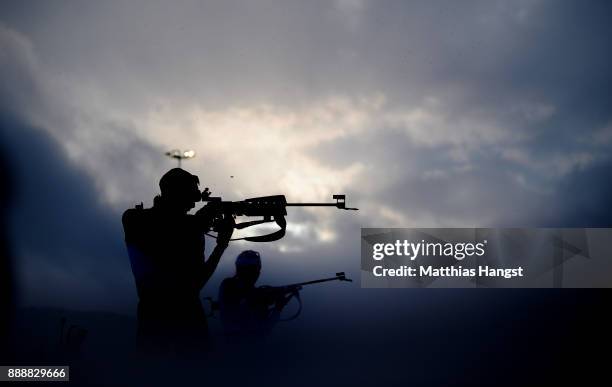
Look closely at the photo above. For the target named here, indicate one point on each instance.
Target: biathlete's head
(248, 266)
(179, 189)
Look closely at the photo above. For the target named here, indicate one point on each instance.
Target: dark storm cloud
(535, 69)
(67, 245)
(585, 198)
(215, 51)
(430, 188)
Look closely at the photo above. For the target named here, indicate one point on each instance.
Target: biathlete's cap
(178, 182)
(248, 258)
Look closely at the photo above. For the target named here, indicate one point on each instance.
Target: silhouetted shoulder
(228, 283)
(131, 214)
(134, 219)
(128, 215)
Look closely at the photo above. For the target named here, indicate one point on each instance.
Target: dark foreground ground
(499, 338)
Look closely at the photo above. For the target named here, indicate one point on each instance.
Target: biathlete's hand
(207, 215)
(283, 300)
(225, 230)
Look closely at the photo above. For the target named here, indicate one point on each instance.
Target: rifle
(270, 293)
(286, 289)
(271, 208)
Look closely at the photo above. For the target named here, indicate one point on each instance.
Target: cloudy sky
(458, 114)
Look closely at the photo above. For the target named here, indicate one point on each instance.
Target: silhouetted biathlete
(166, 250)
(247, 310)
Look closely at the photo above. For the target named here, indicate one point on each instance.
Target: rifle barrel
(337, 278)
(312, 204)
